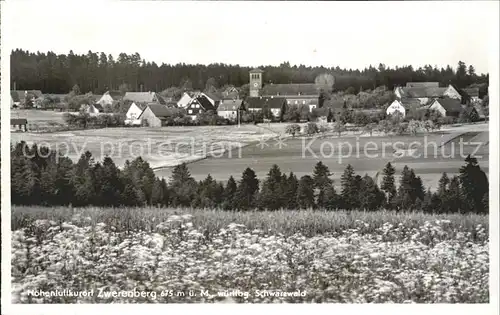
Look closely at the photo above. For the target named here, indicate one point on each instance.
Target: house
(93, 109)
(144, 97)
(213, 98)
(155, 115)
(19, 124)
(295, 93)
(277, 105)
(229, 108)
(447, 107)
(473, 94)
(109, 97)
(184, 100)
(198, 105)
(230, 92)
(134, 111)
(396, 106)
(426, 94)
(403, 106)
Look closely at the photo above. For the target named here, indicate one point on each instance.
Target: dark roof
(205, 103)
(98, 106)
(142, 97)
(422, 84)
(18, 121)
(450, 104)
(213, 96)
(256, 70)
(228, 105)
(472, 92)
(290, 89)
(160, 110)
(420, 92)
(410, 103)
(269, 102)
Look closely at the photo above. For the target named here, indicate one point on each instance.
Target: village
(260, 103)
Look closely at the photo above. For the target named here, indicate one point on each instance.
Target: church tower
(255, 82)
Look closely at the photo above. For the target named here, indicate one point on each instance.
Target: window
(303, 102)
(190, 111)
(296, 102)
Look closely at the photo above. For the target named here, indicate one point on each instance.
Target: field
(232, 149)
(299, 156)
(161, 147)
(184, 255)
(39, 119)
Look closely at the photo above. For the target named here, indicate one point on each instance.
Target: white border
(86, 309)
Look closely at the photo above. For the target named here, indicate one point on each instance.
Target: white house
(447, 107)
(133, 114)
(228, 109)
(184, 101)
(93, 109)
(396, 106)
(106, 99)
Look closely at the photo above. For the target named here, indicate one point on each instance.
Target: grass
(287, 222)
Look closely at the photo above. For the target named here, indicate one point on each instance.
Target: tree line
(39, 177)
(98, 72)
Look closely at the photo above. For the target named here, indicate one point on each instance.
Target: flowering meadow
(185, 256)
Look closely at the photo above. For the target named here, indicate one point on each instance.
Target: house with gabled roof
(199, 104)
(403, 106)
(447, 107)
(155, 115)
(426, 92)
(213, 98)
(294, 93)
(134, 111)
(230, 92)
(184, 100)
(473, 94)
(277, 105)
(144, 97)
(230, 108)
(109, 97)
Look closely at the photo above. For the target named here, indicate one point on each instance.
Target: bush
(292, 129)
(311, 128)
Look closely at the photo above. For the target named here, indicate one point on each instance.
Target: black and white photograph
(206, 152)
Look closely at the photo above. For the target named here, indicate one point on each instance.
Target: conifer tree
(229, 193)
(290, 191)
(271, 194)
(350, 188)
(247, 190)
(388, 184)
(370, 196)
(474, 185)
(305, 192)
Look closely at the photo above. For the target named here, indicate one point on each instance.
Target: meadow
(161, 147)
(262, 257)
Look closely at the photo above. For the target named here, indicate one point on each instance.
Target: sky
(345, 34)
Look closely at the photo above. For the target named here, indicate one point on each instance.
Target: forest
(98, 72)
(39, 177)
